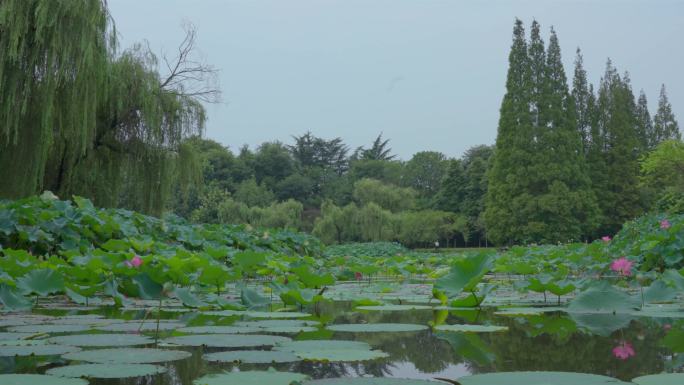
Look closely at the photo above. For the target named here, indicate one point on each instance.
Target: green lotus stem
(477, 300)
(156, 334)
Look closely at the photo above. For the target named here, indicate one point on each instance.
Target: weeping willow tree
(53, 60)
(79, 118)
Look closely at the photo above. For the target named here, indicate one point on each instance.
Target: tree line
(124, 128)
(320, 185)
(566, 164)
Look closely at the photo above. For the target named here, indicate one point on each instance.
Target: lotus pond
(114, 297)
(420, 340)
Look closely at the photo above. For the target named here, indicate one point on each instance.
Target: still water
(552, 341)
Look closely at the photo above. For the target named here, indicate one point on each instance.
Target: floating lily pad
(34, 379)
(513, 311)
(227, 340)
(139, 326)
(376, 328)
(394, 307)
(12, 322)
(279, 326)
(85, 321)
(276, 323)
(276, 314)
(22, 342)
(341, 355)
(539, 378)
(331, 350)
(101, 340)
(660, 379)
(370, 381)
(49, 328)
(127, 356)
(14, 336)
(37, 350)
(219, 329)
(471, 328)
(258, 314)
(251, 378)
(106, 370)
(252, 356)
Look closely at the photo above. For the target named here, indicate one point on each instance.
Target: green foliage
(538, 186)
(466, 273)
(375, 249)
(113, 132)
(665, 126)
(662, 176)
(424, 172)
(388, 197)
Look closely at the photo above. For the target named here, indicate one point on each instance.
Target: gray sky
(429, 74)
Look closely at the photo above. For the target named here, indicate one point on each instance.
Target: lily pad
(49, 328)
(33, 379)
(37, 350)
(127, 356)
(394, 307)
(14, 336)
(258, 314)
(514, 311)
(331, 350)
(219, 329)
(139, 326)
(252, 356)
(251, 378)
(376, 328)
(471, 328)
(227, 340)
(538, 378)
(370, 381)
(101, 340)
(604, 298)
(276, 323)
(106, 370)
(660, 379)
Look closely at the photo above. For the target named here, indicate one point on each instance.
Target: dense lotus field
(101, 296)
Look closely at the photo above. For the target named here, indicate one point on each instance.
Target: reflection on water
(552, 341)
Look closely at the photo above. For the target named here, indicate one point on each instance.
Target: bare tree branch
(188, 76)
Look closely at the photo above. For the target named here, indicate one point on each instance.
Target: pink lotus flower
(667, 327)
(606, 239)
(665, 224)
(622, 266)
(358, 276)
(624, 351)
(134, 262)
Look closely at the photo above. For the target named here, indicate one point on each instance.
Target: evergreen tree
(665, 125)
(452, 193)
(583, 97)
(615, 151)
(508, 199)
(567, 205)
(538, 72)
(644, 124)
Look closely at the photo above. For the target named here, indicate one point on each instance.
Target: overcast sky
(429, 74)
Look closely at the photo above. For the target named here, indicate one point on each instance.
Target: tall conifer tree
(583, 99)
(615, 151)
(567, 206)
(665, 125)
(507, 201)
(644, 124)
